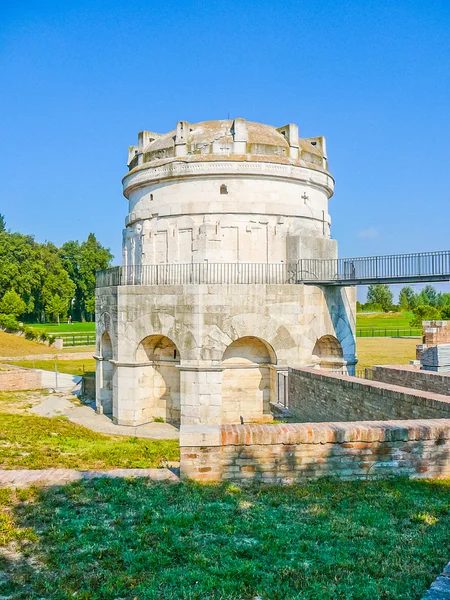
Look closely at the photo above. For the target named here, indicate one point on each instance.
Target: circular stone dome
(236, 139)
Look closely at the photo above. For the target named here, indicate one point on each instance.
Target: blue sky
(80, 79)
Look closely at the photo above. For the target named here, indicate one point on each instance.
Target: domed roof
(231, 140)
(208, 132)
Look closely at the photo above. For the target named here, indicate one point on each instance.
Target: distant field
(63, 327)
(383, 320)
(385, 351)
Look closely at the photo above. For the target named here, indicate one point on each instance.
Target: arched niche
(159, 378)
(248, 380)
(328, 354)
(106, 374)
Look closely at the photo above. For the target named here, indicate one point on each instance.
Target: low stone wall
(15, 378)
(318, 396)
(297, 452)
(412, 377)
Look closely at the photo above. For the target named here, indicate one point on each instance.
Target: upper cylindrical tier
(224, 191)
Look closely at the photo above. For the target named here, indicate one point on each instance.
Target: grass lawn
(384, 320)
(329, 540)
(385, 351)
(31, 442)
(73, 367)
(53, 328)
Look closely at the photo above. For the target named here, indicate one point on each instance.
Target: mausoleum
(207, 313)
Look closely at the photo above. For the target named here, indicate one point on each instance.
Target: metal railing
(398, 268)
(389, 332)
(199, 273)
(421, 266)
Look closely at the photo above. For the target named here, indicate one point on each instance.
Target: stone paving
(20, 478)
(440, 588)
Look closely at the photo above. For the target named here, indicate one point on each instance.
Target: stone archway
(328, 354)
(248, 380)
(159, 379)
(105, 399)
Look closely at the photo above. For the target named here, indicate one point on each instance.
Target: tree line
(428, 304)
(41, 282)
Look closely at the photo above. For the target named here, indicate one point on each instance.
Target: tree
(81, 262)
(21, 267)
(56, 306)
(407, 298)
(428, 296)
(12, 304)
(380, 294)
(445, 312)
(56, 288)
(424, 312)
(2, 223)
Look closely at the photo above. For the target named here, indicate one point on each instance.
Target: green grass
(384, 320)
(73, 367)
(63, 327)
(112, 539)
(32, 442)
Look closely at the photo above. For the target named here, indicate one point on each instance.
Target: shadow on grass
(111, 539)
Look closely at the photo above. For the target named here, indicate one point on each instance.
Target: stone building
(206, 314)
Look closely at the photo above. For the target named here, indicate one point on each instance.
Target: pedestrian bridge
(395, 268)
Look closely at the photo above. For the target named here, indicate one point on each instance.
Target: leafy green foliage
(9, 322)
(81, 262)
(46, 278)
(407, 298)
(12, 304)
(327, 540)
(424, 313)
(380, 294)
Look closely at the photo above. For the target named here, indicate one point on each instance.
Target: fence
(389, 332)
(199, 273)
(403, 267)
(77, 339)
(423, 266)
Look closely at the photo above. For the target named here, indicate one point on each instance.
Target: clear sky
(79, 79)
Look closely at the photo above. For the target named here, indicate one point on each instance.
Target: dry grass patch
(15, 345)
(385, 351)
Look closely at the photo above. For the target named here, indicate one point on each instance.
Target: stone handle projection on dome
(202, 321)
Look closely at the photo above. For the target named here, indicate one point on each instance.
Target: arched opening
(223, 189)
(327, 353)
(159, 379)
(105, 400)
(248, 380)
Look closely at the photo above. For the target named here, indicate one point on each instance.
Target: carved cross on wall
(305, 197)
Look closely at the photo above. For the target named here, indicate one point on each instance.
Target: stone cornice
(150, 174)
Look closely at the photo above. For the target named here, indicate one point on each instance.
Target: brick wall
(413, 377)
(317, 396)
(298, 452)
(20, 379)
(436, 332)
